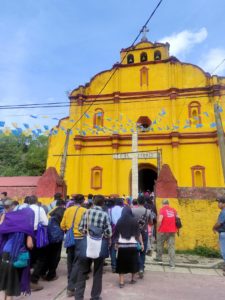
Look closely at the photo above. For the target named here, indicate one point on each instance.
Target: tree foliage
(23, 156)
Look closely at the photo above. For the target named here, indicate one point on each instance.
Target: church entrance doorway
(147, 175)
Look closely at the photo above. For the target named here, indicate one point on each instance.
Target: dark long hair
(127, 225)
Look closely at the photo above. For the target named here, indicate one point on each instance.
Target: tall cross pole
(135, 164)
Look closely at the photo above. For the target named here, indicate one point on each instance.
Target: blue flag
(2, 123)
(212, 125)
(26, 125)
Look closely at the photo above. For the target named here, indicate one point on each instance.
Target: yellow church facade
(171, 106)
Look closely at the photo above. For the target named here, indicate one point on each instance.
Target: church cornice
(171, 93)
(148, 136)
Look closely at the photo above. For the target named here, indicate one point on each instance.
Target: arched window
(157, 55)
(98, 118)
(198, 176)
(194, 112)
(130, 59)
(144, 76)
(144, 57)
(96, 178)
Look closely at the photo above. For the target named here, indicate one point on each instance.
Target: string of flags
(122, 124)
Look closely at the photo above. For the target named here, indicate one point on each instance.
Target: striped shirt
(98, 218)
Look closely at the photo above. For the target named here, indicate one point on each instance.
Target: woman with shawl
(127, 236)
(16, 232)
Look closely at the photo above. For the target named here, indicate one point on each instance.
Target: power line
(114, 71)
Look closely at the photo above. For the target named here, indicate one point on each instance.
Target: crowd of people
(32, 236)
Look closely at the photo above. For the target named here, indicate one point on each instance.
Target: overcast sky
(49, 47)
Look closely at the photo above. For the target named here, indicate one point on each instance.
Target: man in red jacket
(166, 232)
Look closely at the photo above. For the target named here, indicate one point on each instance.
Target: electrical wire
(115, 70)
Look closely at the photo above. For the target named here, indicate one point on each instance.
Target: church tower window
(96, 178)
(157, 55)
(144, 76)
(98, 118)
(144, 57)
(130, 59)
(194, 112)
(198, 176)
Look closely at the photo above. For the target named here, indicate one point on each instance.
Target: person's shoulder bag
(69, 238)
(42, 233)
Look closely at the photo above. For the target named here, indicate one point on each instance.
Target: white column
(135, 165)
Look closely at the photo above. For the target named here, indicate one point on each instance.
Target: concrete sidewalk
(188, 261)
(191, 272)
(160, 283)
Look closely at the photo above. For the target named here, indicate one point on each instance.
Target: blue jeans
(113, 256)
(143, 253)
(222, 244)
(72, 259)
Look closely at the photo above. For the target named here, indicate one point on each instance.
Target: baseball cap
(165, 201)
(221, 200)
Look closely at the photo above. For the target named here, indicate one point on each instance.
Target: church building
(167, 105)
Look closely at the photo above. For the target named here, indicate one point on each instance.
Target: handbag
(22, 261)
(42, 234)
(69, 238)
(94, 245)
(94, 241)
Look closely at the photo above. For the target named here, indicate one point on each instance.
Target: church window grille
(194, 112)
(98, 118)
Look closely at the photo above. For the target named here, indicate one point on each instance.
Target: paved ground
(159, 283)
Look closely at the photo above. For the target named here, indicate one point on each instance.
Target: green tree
(23, 156)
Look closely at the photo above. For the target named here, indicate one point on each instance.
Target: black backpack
(178, 222)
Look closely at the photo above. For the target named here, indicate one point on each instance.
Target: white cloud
(214, 61)
(182, 42)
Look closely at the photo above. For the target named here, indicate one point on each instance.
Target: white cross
(135, 155)
(144, 31)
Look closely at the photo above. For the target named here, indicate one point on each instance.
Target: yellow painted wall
(198, 218)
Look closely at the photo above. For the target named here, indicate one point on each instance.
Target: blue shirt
(221, 220)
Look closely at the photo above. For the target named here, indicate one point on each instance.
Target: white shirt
(115, 214)
(39, 216)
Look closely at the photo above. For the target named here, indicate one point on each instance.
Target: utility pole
(64, 156)
(220, 135)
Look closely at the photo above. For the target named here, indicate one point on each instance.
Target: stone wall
(210, 193)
